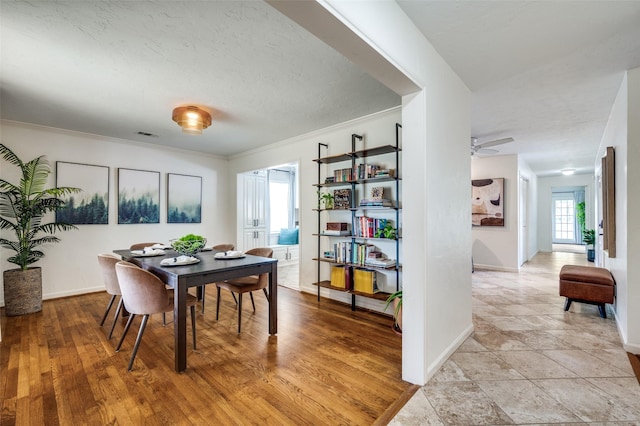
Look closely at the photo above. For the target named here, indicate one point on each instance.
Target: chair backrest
(223, 247)
(263, 279)
(142, 292)
(140, 246)
(107, 264)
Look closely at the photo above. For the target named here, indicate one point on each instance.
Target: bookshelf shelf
(356, 247)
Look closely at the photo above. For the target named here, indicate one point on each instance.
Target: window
(564, 220)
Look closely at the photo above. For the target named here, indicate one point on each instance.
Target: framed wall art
(184, 198)
(138, 196)
(487, 202)
(91, 206)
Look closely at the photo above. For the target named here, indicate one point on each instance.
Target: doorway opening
(568, 219)
(268, 213)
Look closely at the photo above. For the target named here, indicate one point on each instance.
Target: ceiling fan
(483, 148)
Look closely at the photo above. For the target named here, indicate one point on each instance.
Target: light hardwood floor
(327, 365)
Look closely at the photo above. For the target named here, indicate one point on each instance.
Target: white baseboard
(60, 294)
(477, 266)
(433, 368)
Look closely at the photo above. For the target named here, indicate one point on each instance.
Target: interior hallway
(529, 362)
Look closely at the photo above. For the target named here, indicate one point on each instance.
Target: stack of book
(380, 263)
(382, 173)
(376, 202)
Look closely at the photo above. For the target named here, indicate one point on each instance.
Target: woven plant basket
(22, 291)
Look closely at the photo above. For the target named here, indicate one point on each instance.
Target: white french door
(564, 219)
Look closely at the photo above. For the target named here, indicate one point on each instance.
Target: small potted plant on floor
(23, 207)
(589, 238)
(396, 299)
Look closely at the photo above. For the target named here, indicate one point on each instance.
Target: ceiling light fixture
(568, 172)
(192, 119)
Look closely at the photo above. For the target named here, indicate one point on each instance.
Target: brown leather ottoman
(587, 284)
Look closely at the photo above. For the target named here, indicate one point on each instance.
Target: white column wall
(436, 247)
(71, 267)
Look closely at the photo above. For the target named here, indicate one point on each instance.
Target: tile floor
(528, 361)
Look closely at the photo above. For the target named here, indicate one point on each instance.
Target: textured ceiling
(543, 72)
(116, 68)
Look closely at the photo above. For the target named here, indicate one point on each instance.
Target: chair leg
(164, 319)
(104, 317)
(218, 304)
(115, 317)
(193, 325)
(266, 294)
(138, 340)
(239, 312)
(252, 302)
(234, 297)
(126, 330)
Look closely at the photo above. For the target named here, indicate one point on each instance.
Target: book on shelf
(380, 263)
(338, 275)
(365, 280)
(367, 227)
(376, 202)
(336, 233)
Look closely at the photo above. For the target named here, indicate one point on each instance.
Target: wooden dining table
(208, 271)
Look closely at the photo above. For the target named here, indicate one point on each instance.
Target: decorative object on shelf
(91, 206)
(589, 238)
(377, 193)
(365, 281)
(388, 231)
(189, 245)
(184, 198)
(487, 202)
(325, 200)
(23, 208)
(342, 199)
(192, 119)
(396, 299)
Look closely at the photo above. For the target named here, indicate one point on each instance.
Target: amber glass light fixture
(192, 119)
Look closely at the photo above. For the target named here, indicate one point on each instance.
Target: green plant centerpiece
(23, 207)
(396, 299)
(189, 245)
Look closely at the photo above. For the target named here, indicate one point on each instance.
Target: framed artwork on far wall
(138, 196)
(91, 206)
(184, 198)
(487, 202)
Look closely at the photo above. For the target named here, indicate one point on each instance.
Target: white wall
(71, 267)
(496, 247)
(545, 188)
(437, 235)
(623, 134)
(377, 129)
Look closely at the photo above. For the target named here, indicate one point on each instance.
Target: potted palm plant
(589, 238)
(396, 299)
(22, 210)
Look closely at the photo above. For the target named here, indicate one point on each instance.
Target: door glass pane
(279, 204)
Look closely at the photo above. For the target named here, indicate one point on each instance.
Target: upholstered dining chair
(145, 294)
(219, 247)
(246, 284)
(140, 246)
(107, 264)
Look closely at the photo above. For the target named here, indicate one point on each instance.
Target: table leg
(273, 299)
(180, 324)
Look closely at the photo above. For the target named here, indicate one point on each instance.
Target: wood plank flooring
(327, 365)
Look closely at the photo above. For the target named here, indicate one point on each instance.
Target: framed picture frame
(138, 196)
(184, 198)
(91, 206)
(487, 202)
